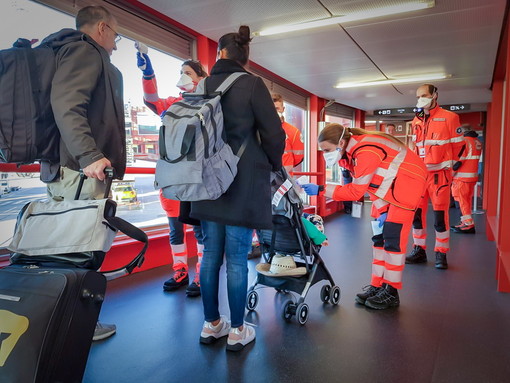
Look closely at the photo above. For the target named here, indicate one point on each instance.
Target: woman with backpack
(228, 222)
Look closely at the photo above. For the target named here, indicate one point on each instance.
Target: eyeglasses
(117, 36)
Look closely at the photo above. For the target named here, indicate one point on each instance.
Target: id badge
(421, 152)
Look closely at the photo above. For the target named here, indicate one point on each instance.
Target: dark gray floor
(452, 326)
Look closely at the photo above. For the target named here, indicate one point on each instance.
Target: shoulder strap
(229, 81)
(132, 232)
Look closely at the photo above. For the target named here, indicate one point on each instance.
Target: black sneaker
(193, 290)
(368, 291)
(464, 229)
(441, 260)
(179, 279)
(385, 298)
(418, 255)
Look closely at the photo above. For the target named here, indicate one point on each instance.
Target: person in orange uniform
(292, 156)
(438, 142)
(395, 178)
(294, 146)
(191, 73)
(465, 177)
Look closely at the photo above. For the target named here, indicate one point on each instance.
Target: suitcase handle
(109, 178)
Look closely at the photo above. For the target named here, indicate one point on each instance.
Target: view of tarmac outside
(138, 201)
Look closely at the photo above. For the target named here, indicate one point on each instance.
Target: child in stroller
(292, 259)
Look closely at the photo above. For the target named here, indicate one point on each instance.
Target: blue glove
(381, 219)
(311, 189)
(144, 63)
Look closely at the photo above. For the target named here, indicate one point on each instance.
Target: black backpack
(28, 131)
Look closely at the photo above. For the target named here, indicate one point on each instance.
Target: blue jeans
(235, 243)
(177, 232)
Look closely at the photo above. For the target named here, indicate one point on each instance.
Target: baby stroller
(290, 239)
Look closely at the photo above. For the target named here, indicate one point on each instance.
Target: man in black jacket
(87, 102)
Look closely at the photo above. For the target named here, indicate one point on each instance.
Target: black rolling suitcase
(50, 298)
(47, 320)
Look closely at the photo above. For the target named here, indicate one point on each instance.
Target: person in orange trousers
(438, 142)
(395, 179)
(465, 177)
(179, 245)
(191, 73)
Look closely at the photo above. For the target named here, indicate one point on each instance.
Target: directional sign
(398, 111)
(456, 107)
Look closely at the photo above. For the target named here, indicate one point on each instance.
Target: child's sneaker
(238, 339)
(211, 333)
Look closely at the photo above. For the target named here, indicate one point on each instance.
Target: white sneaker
(211, 333)
(238, 339)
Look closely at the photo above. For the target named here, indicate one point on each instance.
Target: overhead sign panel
(400, 111)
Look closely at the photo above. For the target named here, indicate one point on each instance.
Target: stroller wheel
(252, 300)
(302, 313)
(325, 293)
(335, 295)
(288, 310)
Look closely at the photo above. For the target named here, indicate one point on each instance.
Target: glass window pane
(21, 18)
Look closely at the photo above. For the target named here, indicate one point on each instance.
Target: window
(140, 204)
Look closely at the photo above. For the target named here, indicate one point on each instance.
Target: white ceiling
(457, 37)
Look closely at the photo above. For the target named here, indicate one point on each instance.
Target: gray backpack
(195, 161)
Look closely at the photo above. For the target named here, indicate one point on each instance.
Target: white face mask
(185, 83)
(424, 102)
(331, 158)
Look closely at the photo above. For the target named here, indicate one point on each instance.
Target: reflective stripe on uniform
(393, 276)
(439, 166)
(379, 203)
(391, 173)
(466, 175)
(363, 180)
(457, 139)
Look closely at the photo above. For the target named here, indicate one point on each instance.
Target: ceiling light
(403, 80)
(366, 14)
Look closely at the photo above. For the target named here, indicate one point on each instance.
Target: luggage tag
(302, 181)
(356, 209)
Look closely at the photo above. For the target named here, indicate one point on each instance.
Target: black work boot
(368, 291)
(441, 260)
(385, 298)
(418, 255)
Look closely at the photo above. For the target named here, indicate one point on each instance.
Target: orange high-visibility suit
(439, 141)
(466, 176)
(178, 241)
(151, 97)
(395, 178)
(294, 146)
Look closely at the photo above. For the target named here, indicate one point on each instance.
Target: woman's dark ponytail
(237, 45)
